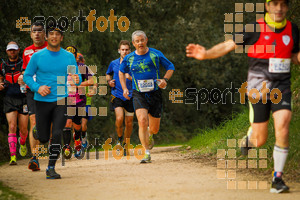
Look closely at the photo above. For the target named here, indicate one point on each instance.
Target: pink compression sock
(23, 137)
(12, 142)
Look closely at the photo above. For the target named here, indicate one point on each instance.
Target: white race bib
(279, 65)
(146, 85)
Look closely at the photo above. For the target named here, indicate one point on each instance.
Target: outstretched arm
(199, 52)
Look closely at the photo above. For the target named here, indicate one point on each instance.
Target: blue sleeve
(165, 62)
(110, 69)
(124, 66)
(29, 72)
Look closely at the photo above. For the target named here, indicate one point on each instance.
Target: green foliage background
(170, 25)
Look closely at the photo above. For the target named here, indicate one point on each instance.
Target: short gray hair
(138, 33)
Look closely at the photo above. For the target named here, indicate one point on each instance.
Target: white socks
(280, 156)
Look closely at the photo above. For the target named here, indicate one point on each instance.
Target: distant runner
(118, 102)
(90, 92)
(78, 102)
(15, 105)
(37, 35)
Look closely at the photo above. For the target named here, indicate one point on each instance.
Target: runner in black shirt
(15, 106)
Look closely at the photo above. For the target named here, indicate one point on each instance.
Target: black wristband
(166, 79)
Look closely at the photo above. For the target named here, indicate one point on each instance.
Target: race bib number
(279, 65)
(146, 85)
(25, 109)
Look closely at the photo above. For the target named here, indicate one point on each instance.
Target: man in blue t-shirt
(52, 66)
(143, 64)
(118, 102)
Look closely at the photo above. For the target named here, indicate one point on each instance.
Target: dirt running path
(171, 175)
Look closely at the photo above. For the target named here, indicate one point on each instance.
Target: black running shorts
(152, 101)
(78, 116)
(11, 104)
(116, 102)
(260, 112)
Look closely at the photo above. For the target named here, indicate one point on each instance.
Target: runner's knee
(12, 127)
(154, 130)
(119, 120)
(24, 130)
(128, 123)
(143, 121)
(43, 140)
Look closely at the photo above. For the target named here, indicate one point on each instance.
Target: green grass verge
(210, 140)
(7, 193)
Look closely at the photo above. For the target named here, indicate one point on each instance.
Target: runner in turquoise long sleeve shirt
(50, 74)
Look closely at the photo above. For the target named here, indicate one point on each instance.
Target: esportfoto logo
(101, 22)
(215, 96)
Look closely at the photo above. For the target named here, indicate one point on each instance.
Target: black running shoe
(278, 186)
(51, 174)
(245, 146)
(34, 164)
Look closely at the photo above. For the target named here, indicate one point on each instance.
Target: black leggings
(47, 113)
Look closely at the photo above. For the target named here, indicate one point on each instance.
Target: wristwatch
(166, 79)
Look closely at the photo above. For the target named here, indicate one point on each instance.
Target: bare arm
(111, 82)
(296, 58)
(199, 52)
(92, 90)
(1, 83)
(168, 75)
(123, 83)
(128, 76)
(108, 77)
(89, 82)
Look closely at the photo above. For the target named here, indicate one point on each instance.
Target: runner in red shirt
(38, 37)
(273, 47)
